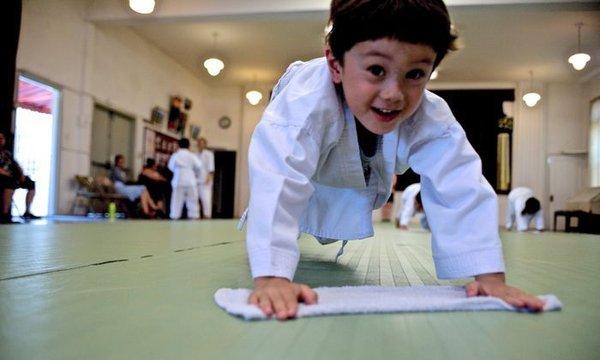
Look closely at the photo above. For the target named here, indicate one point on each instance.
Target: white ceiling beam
(203, 10)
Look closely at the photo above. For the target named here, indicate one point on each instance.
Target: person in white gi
(336, 131)
(205, 183)
(186, 169)
(522, 208)
(411, 205)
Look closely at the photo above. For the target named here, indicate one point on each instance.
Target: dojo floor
(142, 289)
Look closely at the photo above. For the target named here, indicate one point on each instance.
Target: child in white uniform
(186, 169)
(335, 132)
(522, 209)
(411, 204)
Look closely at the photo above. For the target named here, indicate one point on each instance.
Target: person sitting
(12, 177)
(157, 185)
(133, 192)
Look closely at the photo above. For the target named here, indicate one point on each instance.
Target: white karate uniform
(516, 203)
(205, 189)
(306, 176)
(186, 169)
(408, 208)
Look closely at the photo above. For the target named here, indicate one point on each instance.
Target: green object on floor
(143, 289)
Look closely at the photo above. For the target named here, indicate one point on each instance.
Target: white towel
(377, 299)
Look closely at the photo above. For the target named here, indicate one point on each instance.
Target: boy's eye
(415, 74)
(376, 70)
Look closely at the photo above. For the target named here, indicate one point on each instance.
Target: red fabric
(34, 97)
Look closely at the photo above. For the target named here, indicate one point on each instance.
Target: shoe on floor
(7, 219)
(30, 216)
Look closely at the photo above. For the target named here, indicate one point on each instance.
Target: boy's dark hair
(532, 205)
(414, 21)
(184, 143)
(149, 163)
(118, 157)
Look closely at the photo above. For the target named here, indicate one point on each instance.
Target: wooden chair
(94, 195)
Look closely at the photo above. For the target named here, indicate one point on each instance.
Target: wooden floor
(144, 289)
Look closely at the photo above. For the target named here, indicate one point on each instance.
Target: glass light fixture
(254, 97)
(142, 6)
(579, 59)
(434, 75)
(214, 65)
(531, 98)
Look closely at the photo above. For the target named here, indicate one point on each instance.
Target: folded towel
(377, 299)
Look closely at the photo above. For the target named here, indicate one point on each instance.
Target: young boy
(335, 132)
(186, 170)
(522, 209)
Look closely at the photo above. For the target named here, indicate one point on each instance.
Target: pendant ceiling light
(142, 6)
(214, 65)
(254, 96)
(531, 98)
(579, 59)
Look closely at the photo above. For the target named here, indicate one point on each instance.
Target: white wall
(116, 68)
(251, 117)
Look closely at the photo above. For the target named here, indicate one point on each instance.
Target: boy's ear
(335, 68)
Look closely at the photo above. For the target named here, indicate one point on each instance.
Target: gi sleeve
(211, 162)
(460, 204)
(171, 163)
(539, 220)
(408, 210)
(522, 221)
(510, 214)
(282, 159)
(198, 167)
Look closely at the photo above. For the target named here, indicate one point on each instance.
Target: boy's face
(383, 80)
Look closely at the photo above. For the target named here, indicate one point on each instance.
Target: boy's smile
(383, 80)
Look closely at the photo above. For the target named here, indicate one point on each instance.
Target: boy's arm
(462, 212)
(408, 210)
(510, 215)
(282, 159)
(522, 222)
(171, 163)
(461, 206)
(539, 220)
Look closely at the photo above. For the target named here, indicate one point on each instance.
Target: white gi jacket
(407, 211)
(207, 158)
(306, 175)
(186, 168)
(516, 203)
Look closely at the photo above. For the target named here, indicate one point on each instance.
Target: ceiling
(500, 43)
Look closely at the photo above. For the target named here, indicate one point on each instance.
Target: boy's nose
(392, 92)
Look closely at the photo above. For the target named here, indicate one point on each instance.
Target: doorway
(112, 134)
(36, 143)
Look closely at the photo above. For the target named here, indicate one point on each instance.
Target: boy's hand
(494, 285)
(279, 296)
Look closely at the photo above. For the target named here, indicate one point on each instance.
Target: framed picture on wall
(194, 131)
(158, 146)
(174, 115)
(157, 115)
